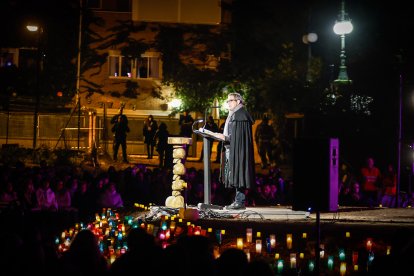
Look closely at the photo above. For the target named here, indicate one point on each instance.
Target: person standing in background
(120, 129)
(371, 181)
(164, 149)
(389, 187)
(149, 130)
(186, 123)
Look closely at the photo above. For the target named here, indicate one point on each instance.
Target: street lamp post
(38, 30)
(309, 39)
(342, 27)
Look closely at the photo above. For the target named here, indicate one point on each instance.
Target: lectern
(207, 137)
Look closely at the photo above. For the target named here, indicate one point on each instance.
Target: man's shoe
(235, 206)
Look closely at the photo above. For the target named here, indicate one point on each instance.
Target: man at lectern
(238, 170)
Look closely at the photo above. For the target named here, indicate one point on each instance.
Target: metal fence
(66, 131)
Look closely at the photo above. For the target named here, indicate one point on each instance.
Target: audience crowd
(76, 194)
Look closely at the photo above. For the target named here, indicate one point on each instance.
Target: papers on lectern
(208, 133)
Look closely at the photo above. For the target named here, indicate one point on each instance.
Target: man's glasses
(233, 100)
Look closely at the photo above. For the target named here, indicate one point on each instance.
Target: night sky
(378, 53)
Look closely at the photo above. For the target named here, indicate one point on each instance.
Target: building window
(147, 66)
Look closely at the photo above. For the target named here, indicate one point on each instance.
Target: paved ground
(344, 214)
(359, 215)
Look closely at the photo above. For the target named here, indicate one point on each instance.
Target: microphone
(196, 122)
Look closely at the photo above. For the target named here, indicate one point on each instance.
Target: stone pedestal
(176, 200)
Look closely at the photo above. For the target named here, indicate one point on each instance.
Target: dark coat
(240, 166)
(186, 123)
(162, 137)
(264, 133)
(149, 130)
(120, 127)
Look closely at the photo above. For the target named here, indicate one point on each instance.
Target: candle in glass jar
(258, 246)
(341, 254)
(249, 234)
(279, 266)
(292, 260)
(219, 236)
(342, 268)
(354, 257)
(330, 262)
(240, 243)
(273, 241)
(289, 241)
(369, 245)
(311, 266)
(247, 252)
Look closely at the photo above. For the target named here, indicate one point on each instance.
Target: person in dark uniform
(120, 129)
(164, 149)
(186, 123)
(238, 170)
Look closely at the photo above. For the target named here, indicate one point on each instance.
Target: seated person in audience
(28, 197)
(8, 195)
(46, 197)
(354, 197)
(110, 198)
(63, 197)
